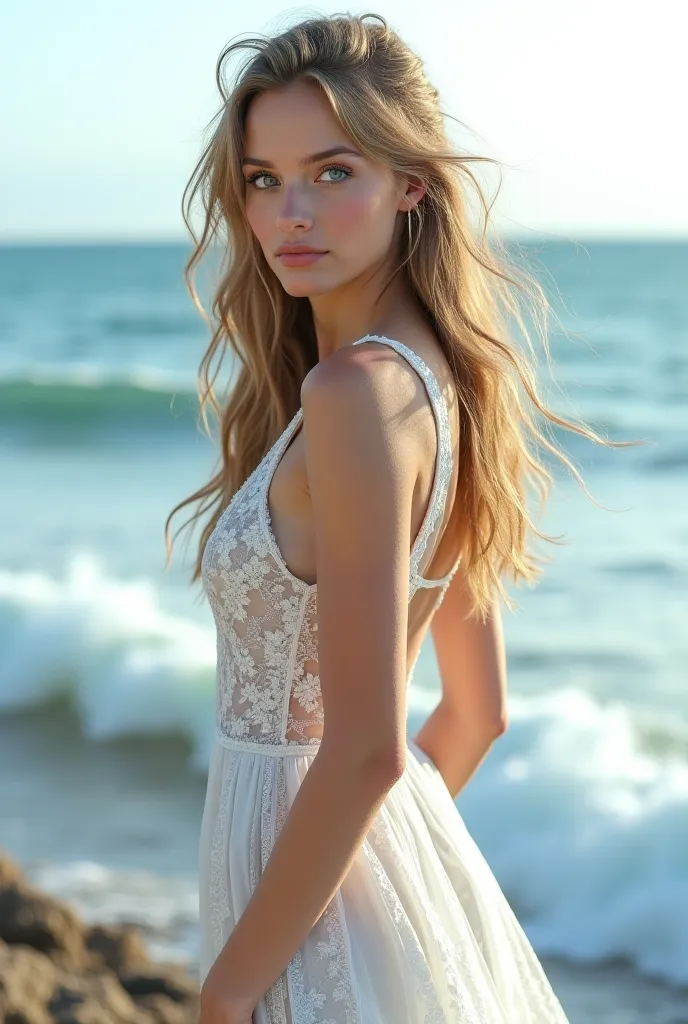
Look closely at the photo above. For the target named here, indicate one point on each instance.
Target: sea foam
(584, 826)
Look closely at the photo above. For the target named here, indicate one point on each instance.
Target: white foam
(126, 665)
(587, 833)
(586, 830)
(83, 374)
(164, 907)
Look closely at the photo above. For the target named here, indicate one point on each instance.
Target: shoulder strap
(443, 461)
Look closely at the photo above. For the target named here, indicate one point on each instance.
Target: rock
(121, 949)
(173, 983)
(54, 969)
(27, 980)
(44, 923)
(94, 999)
(10, 872)
(163, 1010)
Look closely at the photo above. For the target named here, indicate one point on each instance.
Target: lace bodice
(268, 686)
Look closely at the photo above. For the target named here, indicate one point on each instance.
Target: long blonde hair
(466, 283)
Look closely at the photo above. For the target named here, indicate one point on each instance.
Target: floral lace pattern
(333, 999)
(328, 998)
(461, 969)
(272, 815)
(268, 690)
(466, 956)
(415, 956)
(220, 909)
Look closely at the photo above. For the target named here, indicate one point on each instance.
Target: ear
(413, 193)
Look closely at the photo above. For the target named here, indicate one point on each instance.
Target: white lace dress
(419, 932)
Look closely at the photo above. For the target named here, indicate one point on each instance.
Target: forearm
(455, 744)
(326, 825)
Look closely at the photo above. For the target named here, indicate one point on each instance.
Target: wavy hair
(479, 302)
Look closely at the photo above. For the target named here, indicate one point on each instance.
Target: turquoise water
(106, 659)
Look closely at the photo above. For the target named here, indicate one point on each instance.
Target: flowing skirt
(419, 932)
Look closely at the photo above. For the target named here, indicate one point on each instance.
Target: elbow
(380, 765)
(384, 764)
(497, 726)
(393, 764)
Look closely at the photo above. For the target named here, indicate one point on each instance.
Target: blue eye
(343, 170)
(253, 178)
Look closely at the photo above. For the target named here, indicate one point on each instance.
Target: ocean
(107, 659)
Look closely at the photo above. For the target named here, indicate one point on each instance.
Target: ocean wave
(106, 646)
(84, 394)
(164, 906)
(597, 827)
(675, 459)
(149, 324)
(583, 823)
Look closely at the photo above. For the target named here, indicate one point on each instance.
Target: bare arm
(361, 476)
(472, 711)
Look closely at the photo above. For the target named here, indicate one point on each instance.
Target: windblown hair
(470, 289)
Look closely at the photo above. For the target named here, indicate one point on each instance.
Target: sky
(104, 107)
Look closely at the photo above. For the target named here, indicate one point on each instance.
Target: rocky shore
(55, 969)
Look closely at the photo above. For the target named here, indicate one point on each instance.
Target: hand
(218, 1006)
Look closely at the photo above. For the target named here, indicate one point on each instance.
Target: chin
(302, 287)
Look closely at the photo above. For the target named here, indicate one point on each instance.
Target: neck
(360, 307)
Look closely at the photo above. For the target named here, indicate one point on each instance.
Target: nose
(293, 215)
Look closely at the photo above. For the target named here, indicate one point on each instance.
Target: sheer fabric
(419, 931)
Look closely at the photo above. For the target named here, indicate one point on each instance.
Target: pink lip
(299, 259)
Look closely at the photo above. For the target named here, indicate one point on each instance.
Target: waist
(268, 749)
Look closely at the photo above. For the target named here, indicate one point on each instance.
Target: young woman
(376, 452)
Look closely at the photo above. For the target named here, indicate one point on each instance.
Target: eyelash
(251, 180)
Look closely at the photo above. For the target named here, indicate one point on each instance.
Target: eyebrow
(306, 160)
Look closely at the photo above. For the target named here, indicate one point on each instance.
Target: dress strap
(443, 461)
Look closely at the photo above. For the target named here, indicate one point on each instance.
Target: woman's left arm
(361, 475)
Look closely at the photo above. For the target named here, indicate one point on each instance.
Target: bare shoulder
(349, 375)
(373, 380)
(356, 427)
(370, 444)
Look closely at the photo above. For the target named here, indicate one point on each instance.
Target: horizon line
(104, 241)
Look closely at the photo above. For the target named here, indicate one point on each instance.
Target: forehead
(291, 121)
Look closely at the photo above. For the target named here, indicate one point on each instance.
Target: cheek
(361, 212)
(258, 219)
